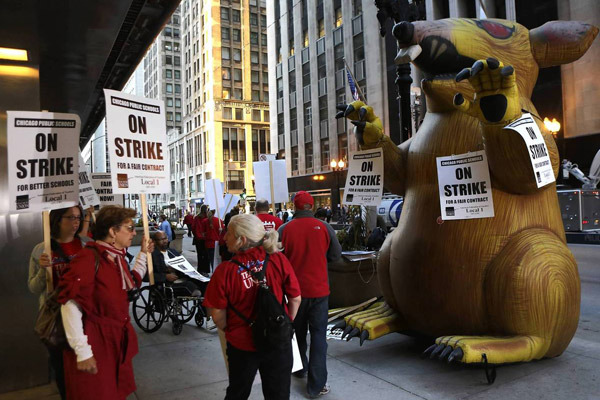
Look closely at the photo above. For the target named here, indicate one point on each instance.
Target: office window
(239, 114)
(238, 94)
(255, 95)
(226, 112)
(253, 38)
(225, 32)
(169, 116)
(168, 46)
(224, 14)
(176, 32)
(263, 39)
(169, 102)
(237, 55)
(177, 74)
(226, 74)
(237, 74)
(255, 115)
(237, 36)
(177, 88)
(263, 20)
(236, 15)
(177, 103)
(253, 19)
(225, 53)
(226, 94)
(177, 60)
(169, 88)
(255, 76)
(260, 143)
(168, 73)
(265, 58)
(177, 117)
(169, 60)
(168, 31)
(254, 57)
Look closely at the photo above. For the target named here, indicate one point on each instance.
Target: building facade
(225, 98)
(311, 44)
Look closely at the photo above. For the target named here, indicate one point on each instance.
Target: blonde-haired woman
(232, 285)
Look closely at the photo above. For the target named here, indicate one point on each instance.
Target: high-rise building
(225, 97)
(311, 45)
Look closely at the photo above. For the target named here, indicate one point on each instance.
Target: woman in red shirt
(95, 310)
(231, 285)
(65, 227)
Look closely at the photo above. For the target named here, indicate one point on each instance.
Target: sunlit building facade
(225, 97)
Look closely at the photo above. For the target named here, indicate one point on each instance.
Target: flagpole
(360, 93)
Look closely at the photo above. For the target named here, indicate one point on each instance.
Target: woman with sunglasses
(65, 227)
(95, 310)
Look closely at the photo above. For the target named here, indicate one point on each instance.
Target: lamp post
(337, 167)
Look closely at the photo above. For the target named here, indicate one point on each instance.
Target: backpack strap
(255, 276)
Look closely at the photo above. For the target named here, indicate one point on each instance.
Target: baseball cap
(302, 198)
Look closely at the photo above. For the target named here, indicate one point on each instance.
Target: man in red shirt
(269, 221)
(203, 265)
(188, 221)
(309, 244)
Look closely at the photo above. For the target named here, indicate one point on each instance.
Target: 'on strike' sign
(43, 165)
(136, 130)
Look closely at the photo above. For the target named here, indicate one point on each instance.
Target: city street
(190, 366)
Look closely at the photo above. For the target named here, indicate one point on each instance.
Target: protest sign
(271, 181)
(214, 195)
(230, 201)
(182, 265)
(87, 194)
(102, 183)
(42, 160)
(464, 185)
(364, 184)
(536, 147)
(137, 147)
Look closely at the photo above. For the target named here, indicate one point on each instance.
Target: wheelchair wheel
(177, 327)
(199, 316)
(149, 309)
(183, 310)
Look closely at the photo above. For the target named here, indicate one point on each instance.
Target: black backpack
(271, 327)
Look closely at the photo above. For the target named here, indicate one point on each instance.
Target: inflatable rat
(502, 289)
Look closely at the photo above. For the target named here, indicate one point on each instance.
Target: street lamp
(553, 126)
(337, 167)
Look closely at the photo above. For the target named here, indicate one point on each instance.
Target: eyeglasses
(130, 228)
(72, 218)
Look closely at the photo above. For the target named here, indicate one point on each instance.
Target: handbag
(48, 325)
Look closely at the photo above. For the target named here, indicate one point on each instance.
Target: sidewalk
(190, 366)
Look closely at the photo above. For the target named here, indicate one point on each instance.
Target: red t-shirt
(270, 222)
(306, 242)
(231, 284)
(59, 263)
(211, 234)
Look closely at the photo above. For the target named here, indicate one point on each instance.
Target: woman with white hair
(232, 286)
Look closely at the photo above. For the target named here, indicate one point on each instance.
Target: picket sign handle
(271, 185)
(47, 249)
(147, 235)
(217, 205)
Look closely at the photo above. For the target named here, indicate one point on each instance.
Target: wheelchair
(157, 303)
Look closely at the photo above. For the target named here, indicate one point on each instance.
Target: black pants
(275, 370)
(57, 369)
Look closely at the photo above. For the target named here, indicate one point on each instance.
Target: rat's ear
(561, 42)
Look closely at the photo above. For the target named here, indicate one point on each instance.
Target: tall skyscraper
(225, 97)
(311, 44)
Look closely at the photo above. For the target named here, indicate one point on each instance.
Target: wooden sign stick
(271, 185)
(147, 235)
(47, 249)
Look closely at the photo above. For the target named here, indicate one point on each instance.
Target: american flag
(352, 85)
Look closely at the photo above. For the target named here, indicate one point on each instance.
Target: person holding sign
(95, 310)
(65, 227)
(231, 286)
(262, 212)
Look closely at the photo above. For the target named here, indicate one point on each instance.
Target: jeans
(275, 369)
(312, 316)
